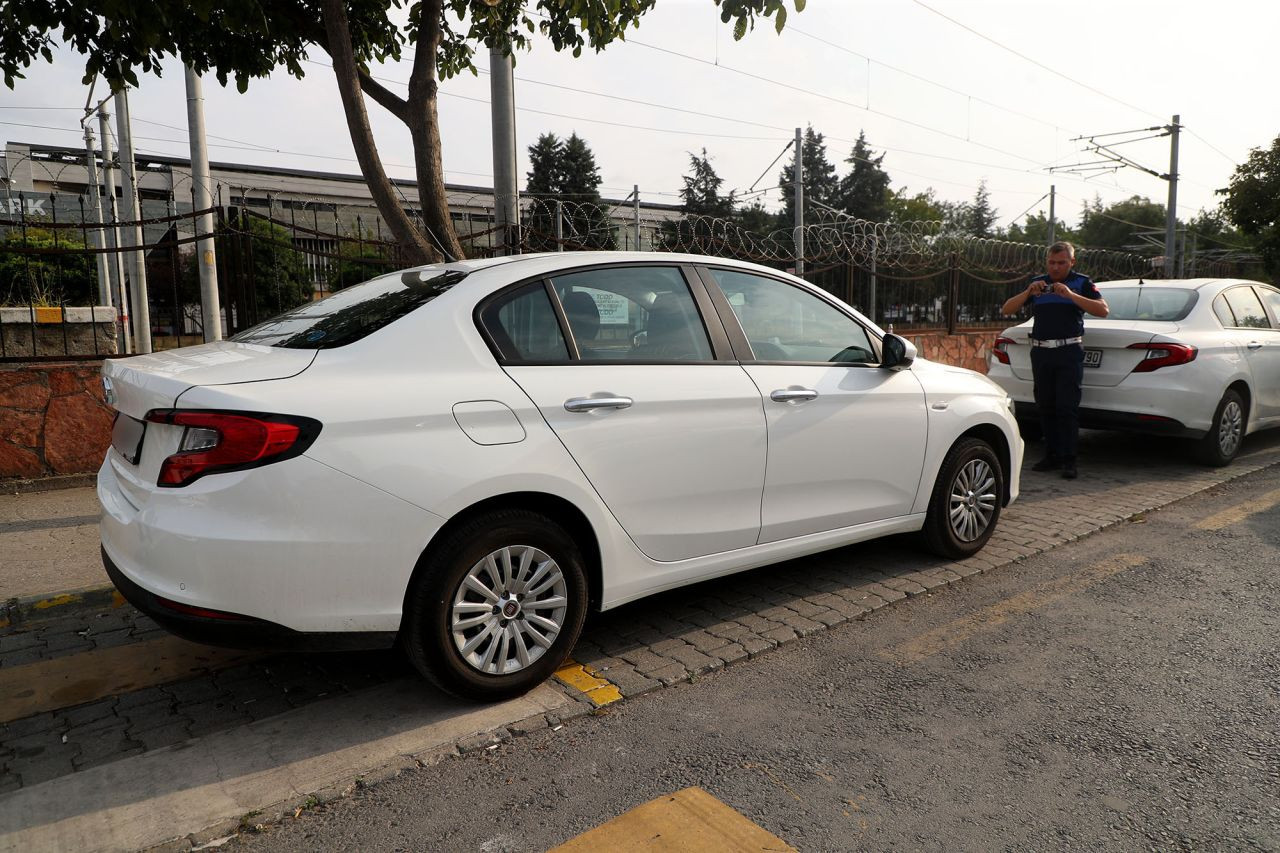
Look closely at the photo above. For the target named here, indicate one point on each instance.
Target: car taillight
(1163, 355)
(999, 349)
(230, 441)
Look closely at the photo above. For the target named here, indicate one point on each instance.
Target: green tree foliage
(565, 170)
(1115, 226)
(978, 217)
(905, 206)
(820, 181)
(51, 279)
(756, 218)
(357, 262)
(245, 39)
(700, 197)
(1252, 203)
(265, 253)
(864, 192)
(1035, 229)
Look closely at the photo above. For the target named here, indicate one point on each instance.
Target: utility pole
(138, 265)
(503, 119)
(95, 205)
(1171, 217)
(1053, 220)
(635, 212)
(114, 261)
(202, 199)
(797, 177)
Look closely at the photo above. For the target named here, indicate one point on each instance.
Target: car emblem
(108, 391)
(510, 609)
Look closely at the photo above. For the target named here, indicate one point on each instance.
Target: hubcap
(973, 500)
(508, 610)
(1230, 429)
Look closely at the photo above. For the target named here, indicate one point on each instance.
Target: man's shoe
(1048, 463)
(1069, 471)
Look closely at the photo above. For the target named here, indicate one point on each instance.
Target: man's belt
(1056, 342)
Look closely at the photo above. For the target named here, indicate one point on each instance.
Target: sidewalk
(49, 558)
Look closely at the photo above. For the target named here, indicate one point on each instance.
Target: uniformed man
(1059, 300)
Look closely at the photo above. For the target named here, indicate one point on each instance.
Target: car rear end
(217, 523)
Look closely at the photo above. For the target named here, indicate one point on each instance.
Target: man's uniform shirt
(1056, 317)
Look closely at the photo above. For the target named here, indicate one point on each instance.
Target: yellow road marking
(954, 633)
(75, 679)
(1238, 513)
(690, 820)
(588, 681)
(56, 601)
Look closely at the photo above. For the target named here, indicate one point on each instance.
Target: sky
(953, 92)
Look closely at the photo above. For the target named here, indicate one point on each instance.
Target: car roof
(1176, 283)
(536, 262)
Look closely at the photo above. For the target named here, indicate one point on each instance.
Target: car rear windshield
(1149, 302)
(351, 313)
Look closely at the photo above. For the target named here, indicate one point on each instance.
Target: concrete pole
(1053, 216)
(206, 258)
(1171, 217)
(875, 257)
(137, 259)
(95, 209)
(115, 264)
(635, 212)
(797, 177)
(506, 208)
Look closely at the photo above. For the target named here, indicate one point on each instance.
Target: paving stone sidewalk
(638, 648)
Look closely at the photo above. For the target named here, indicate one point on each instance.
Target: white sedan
(1197, 358)
(467, 457)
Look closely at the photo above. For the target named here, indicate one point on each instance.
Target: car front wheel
(497, 607)
(966, 500)
(1226, 433)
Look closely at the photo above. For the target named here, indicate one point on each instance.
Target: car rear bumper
(1091, 418)
(220, 628)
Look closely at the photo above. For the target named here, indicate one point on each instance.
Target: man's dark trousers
(1058, 373)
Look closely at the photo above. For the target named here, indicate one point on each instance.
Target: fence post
(875, 252)
(953, 292)
(559, 230)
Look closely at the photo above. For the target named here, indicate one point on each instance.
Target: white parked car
(1197, 358)
(469, 456)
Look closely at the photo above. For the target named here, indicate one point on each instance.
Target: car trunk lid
(1108, 357)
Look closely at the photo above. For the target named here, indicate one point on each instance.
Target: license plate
(1093, 358)
(126, 437)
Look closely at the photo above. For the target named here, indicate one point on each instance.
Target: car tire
(1226, 432)
(966, 500)
(496, 607)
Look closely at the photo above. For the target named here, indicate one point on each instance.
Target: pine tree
(864, 192)
(820, 181)
(701, 192)
(979, 217)
(566, 171)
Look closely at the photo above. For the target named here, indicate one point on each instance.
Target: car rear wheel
(1226, 433)
(966, 500)
(497, 606)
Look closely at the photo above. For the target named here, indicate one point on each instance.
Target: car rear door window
(1246, 308)
(639, 314)
(786, 323)
(523, 325)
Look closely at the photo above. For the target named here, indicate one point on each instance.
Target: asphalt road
(1120, 692)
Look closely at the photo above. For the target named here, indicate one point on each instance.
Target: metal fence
(279, 250)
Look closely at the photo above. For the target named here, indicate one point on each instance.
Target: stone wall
(53, 419)
(45, 332)
(964, 349)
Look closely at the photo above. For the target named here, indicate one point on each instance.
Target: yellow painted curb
(56, 601)
(588, 681)
(48, 315)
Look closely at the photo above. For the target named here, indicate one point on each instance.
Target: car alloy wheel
(509, 609)
(1230, 428)
(1226, 431)
(973, 500)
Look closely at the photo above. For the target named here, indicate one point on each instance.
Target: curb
(17, 614)
(47, 484)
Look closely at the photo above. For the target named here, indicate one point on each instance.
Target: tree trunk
(424, 129)
(412, 241)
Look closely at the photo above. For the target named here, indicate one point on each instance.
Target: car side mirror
(898, 352)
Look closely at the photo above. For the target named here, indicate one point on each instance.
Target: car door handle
(587, 404)
(792, 395)
(1255, 344)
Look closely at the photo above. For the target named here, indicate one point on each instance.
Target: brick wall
(53, 419)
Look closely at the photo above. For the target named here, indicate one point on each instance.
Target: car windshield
(1149, 302)
(351, 313)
